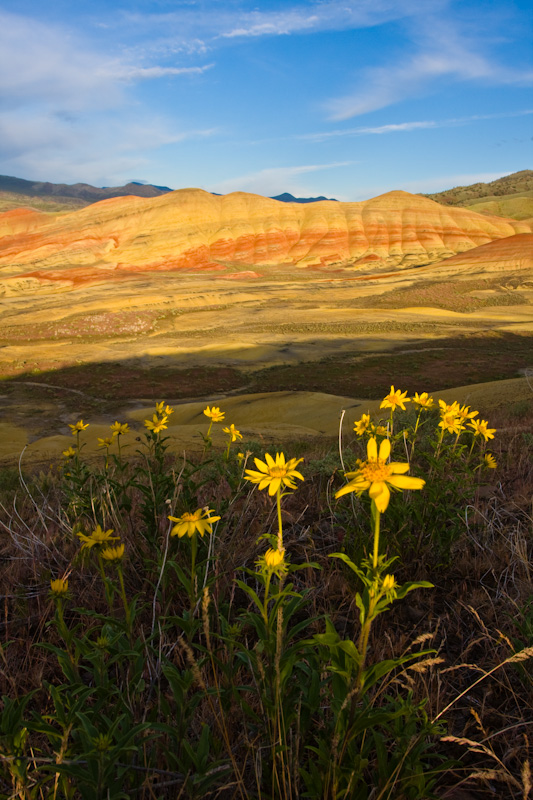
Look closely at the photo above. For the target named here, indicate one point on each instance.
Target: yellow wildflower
(480, 426)
(119, 428)
(394, 399)
(381, 430)
(445, 408)
(423, 400)
(97, 537)
(107, 442)
(233, 432)
(79, 426)
(275, 474)
(464, 413)
(70, 453)
(155, 424)
(361, 425)
(489, 461)
(389, 586)
(215, 414)
(168, 411)
(159, 407)
(201, 521)
(113, 553)
(376, 475)
(59, 587)
(273, 558)
(273, 561)
(451, 423)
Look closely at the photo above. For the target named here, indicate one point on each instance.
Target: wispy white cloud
(275, 180)
(322, 16)
(65, 103)
(402, 127)
(221, 22)
(442, 53)
(96, 148)
(380, 129)
(124, 72)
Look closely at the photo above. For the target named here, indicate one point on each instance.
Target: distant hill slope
(510, 196)
(79, 191)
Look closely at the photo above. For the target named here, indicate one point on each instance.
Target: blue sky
(342, 98)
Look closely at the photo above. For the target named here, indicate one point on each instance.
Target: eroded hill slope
(193, 230)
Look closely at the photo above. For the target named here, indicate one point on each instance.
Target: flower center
(277, 472)
(375, 470)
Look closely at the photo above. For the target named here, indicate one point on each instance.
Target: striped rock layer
(196, 231)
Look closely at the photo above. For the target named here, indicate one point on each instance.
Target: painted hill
(513, 254)
(193, 230)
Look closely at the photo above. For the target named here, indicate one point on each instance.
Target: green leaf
(408, 587)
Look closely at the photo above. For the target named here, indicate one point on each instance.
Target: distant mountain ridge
(85, 194)
(289, 198)
(80, 191)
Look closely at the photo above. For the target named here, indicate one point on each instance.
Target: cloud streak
(444, 54)
(274, 180)
(406, 127)
(218, 23)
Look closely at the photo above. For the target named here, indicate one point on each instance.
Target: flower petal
(397, 468)
(372, 449)
(384, 450)
(275, 483)
(357, 486)
(406, 482)
(380, 494)
(261, 466)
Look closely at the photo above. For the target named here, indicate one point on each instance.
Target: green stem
(265, 602)
(119, 450)
(414, 435)
(77, 453)
(437, 454)
(124, 598)
(280, 524)
(227, 450)
(109, 599)
(194, 549)
(376, 516)
(62, 628)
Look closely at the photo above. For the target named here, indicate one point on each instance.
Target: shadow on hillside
(429, 365)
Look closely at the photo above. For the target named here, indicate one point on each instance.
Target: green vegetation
(333, 626)
(10, 200)
(510, 196)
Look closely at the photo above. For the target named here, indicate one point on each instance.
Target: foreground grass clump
(245, 627)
